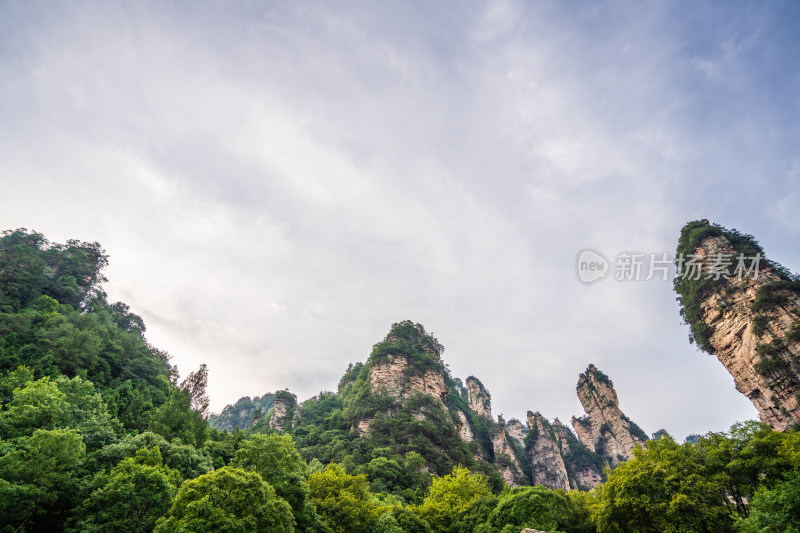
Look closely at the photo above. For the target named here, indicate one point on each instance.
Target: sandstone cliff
(605, 429)
(403, 398)
(243, 414)
(508, 456)
(283, 410)
(480, 400)
(749, 320)
(584, 467)
(391, 377)
(544, 454)
(517, 430)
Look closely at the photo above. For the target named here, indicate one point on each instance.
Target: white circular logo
(592, 266)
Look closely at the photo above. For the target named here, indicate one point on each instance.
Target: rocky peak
(478, 397)
(604, 429)
(507, 456)
(283, 410)
(517, 430)
(392, 378)
(583, 466)
(406, 362)
(750, 322)
(544, 454)
(243, 414)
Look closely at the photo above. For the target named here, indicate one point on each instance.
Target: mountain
(745, 310)
(402, 404)
(243, 414)
(605, 429)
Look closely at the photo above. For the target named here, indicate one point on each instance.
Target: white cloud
(276, 185)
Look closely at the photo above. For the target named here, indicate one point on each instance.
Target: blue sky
(277, 182)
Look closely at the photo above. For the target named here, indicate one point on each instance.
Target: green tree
(38, 482)
(195, 384)
(343, 501)
(176, 419)
(31, 266)
(186, 459)
(387, 523)
(662, 489)
(229, 499)
(276, 459)
(131, 497)
(534, 507)
(450, 496)
(742, 460)
(58, 403)
(775, 510)
(410, 521)
(475, 515)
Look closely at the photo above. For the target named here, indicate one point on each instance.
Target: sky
(276, 183)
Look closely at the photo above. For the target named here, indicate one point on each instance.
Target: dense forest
(98, 433)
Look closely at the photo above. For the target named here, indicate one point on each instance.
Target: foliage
(342, 500)
(131, 497)
(776, 509)
(450, 496)
(409, 521)
(243, 414)
(773, 294)
(228, 499)
(57, 403)
(533, 507)
(186, 459)
(387, 523)
(407, 339)
(176, 419)
(39, 479)
(55, 318)
(195, 386)
(275, 458)
(662, 489)
(760, 324)
(691, 292)
(31, 266)
(635, 430)
(96, 435)
(772, 357)
(580, 456)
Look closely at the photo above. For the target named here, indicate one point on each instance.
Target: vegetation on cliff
(243, 414)
(691, 292)
(746, 314)
(98, 434)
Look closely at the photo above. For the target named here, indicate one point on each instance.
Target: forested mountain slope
(97, 434)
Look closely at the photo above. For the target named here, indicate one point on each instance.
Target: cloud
(276, 184)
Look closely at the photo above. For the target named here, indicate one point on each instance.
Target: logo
(592, 266)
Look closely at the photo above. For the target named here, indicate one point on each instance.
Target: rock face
(757, 342)
(605, 429)
(464, 431)
(584, 467)
(544, 454)
(243, 414)
(517, 430)
(390, 378)
(479, 398)
(283, 410)
(405, 385)
(392, 373)
(506, 457)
